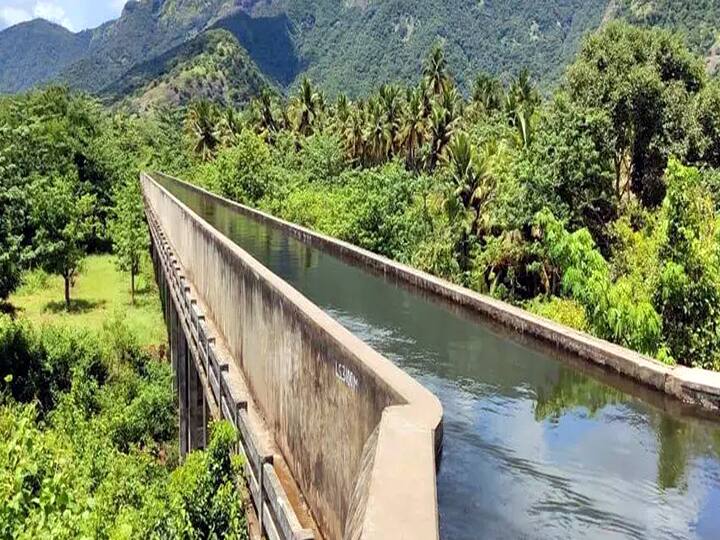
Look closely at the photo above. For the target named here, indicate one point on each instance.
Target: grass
(101, 291)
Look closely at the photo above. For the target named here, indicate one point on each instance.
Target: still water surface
(535, 445)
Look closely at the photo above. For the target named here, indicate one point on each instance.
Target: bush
(689, 289)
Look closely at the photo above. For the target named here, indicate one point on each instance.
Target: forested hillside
(348, 46)
(35, 52)
(697, 21)
(211, 66)
(353, 47)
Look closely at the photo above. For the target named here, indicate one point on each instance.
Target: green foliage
(695, 21)
(128, 229)
(568, 169)
(689, 289)
(98, 459)
(614, 310)
(63, 220)
(644, 81)
(563, 310)
(204, 488)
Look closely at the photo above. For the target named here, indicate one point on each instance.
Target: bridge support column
(196, 409)
(181, 365)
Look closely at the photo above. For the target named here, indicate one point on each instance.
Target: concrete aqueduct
(337, 441)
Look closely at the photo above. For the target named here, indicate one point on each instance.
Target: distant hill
(343, 45)
(36, 51)
(146, 29)
(211, 66)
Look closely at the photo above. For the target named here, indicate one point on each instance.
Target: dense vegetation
(697, 21)
(211, 66)
(596, 207)
(88, 443)
(87, 417)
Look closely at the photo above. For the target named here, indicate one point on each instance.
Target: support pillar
(196, 404)
(182, 381)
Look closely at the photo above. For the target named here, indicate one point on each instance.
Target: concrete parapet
(328, 399)
(696, 387)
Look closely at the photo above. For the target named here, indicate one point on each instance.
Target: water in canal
(535, 445)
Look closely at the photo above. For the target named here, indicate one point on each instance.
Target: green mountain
(146, 29)
(352, 45)
(343, 45)
(211, 66)
(35, 52)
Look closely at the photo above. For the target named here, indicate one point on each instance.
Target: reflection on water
(535, 446)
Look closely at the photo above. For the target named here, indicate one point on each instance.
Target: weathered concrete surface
(321, 390)
(697, 387)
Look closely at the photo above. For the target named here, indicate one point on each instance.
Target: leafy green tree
(12, 205)
(708, 117)
(128, 230)
(689, 289)
(640, 78)
(63, 220)
(568, 169)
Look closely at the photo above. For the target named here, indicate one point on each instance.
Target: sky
(74, 15)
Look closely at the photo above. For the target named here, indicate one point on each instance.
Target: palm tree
(229, 126)
(414, 129)
(488, 93)
(424, 92)
(379, 135)
(307, 105)
(392, 105)
(354, 134)
(473, 187)
(202, 126)
(523, 123)
(444, 119)
(522, 93)
(435, 71)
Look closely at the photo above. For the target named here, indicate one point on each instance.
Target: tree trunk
(67, 292)
(132, 287)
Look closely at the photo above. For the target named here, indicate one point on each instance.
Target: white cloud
(52, 12)
(24, 10)
(10, 16)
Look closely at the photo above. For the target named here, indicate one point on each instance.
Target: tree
(307, 105)
(472, 186)
(568, 168)
(63, 221)
(488, 93)
(640, 78)
(202, 125)
(435, 71)
(413, 130)
(689, 290)
(128, 230)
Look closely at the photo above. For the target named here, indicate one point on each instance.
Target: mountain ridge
(344, 46)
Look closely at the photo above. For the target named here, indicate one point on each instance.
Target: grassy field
(101, 292)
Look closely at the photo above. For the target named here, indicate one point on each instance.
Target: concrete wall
(359, 435)
(696, 387)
